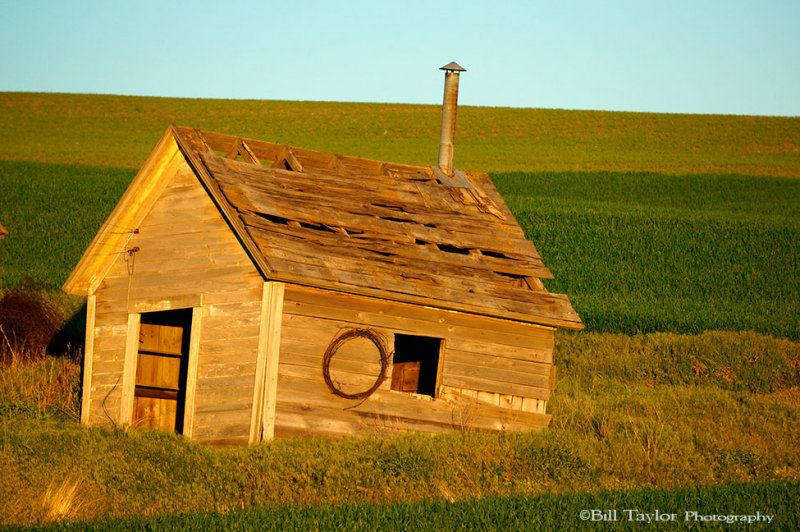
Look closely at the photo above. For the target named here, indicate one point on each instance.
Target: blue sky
(694, 56)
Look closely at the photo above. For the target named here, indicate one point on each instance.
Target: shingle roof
(375, 228)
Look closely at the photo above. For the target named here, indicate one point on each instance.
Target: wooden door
(160, 391)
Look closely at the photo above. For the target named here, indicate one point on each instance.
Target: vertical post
(262, 419)
(191, 371)
(88, 358)
(449, 109)
(129, 370)
(273, 352)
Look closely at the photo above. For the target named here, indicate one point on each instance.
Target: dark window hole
(415, 364)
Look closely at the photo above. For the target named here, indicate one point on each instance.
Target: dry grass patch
(41, 387)
(28, 324)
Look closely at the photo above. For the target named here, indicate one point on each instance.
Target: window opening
(162, 361)
(416, 363)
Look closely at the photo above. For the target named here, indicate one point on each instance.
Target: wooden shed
(243, 289)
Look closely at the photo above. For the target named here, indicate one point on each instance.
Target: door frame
(135, 311)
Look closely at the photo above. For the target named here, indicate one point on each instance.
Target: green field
(675, 236)
(635, 252)
(696, 508)
(120, 131)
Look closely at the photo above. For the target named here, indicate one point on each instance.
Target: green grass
(649, 222)
(52, 213)
(635, 252)
(668, 250)
(686, 507)
(120, 131)
(660, 410)
(731, 361)
(649, 252)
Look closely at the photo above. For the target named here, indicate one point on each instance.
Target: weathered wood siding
(495, 373)
(186, 253)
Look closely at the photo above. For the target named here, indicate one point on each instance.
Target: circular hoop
(334, 346)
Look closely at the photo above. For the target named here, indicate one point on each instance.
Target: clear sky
(692, 56)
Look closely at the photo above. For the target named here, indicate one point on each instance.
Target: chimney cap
(452, 66)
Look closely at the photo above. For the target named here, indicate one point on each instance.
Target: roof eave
(570, 319)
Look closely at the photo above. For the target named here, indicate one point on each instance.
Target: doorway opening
(162, 361)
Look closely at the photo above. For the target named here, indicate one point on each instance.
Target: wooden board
(158, 170)
(151, 412)
(191, 371)
(405, 376)
(302, 407)
(515, 339)
(262, 420)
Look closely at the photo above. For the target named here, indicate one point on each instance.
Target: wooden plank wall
(495, 375)
(185, 249)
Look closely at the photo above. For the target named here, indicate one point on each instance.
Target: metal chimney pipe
(449, 108)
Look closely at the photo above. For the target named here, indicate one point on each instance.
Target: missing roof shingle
(514, 276)
(447, 248)
(381, 253)
(295, 223)
(317, 227)
(272, 218)
(496, 254)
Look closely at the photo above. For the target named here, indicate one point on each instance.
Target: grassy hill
(650, 222)
(676, 236)
(659, 410)
(120, 131)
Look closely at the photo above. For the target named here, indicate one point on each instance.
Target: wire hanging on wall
(370, 334)
(130, 255)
